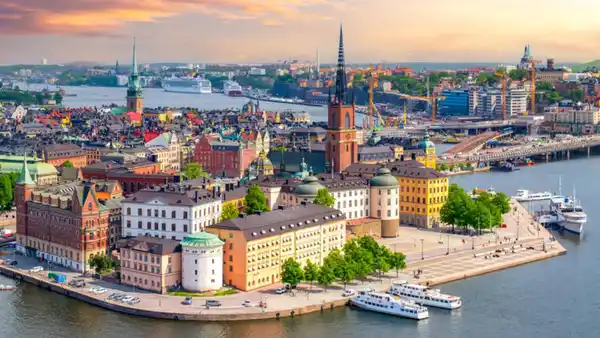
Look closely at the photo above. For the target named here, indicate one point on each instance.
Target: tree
(502, 202)
(229, 211)
(291, 272)
(324, 198)
(101, 263)
(334, 260)
(397, 261)
(517, 74)
(194, 170)
(554, 97)
(311, 272)
(478, 216)
(455, 209)
(326, 275)
(67, 164)
(543, 85)
(255, 200)
(347, 272)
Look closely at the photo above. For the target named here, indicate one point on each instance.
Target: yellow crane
(504, 79)
(371, 103)
(533, 63)
(431, 99)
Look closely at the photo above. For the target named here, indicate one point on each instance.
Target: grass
(224, 292)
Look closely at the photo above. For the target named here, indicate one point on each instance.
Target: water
(552, 298)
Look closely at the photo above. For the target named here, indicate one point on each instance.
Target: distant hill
(587, 65)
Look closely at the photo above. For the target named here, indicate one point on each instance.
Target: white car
(36, 269)
(349, 293)
(127, 299)
(281, 291)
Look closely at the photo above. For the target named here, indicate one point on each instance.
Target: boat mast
(559, 185)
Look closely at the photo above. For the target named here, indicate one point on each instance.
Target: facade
(487, 103)
(135, 96)
(150, 263)
(256, 246)
(57, 154)
(165, 149)
(342, 145)
(202, 262)
(170, 211)
(551, 76)
(64, 224)
(384, 193)
(456, 103)
(224, 158)
(573, 120)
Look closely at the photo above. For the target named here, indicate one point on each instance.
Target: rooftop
(153, 245)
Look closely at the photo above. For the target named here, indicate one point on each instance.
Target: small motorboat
(6, 287)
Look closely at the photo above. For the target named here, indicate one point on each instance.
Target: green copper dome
(426, 143)
(202, 240)
(383, 179)
(309, 187)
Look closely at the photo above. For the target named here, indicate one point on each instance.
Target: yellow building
(256, 246)
(425, 154)
(423, 192)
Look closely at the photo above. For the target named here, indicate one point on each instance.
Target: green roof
(14, 164)
(25, 177)
(118, 111)
(384, 178)
(202, 240)
(309, 187)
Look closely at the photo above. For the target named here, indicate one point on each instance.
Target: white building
(385, 192)
(257, 71)
(202, 262)
(166, 149)
(172, 211)
(487, 102)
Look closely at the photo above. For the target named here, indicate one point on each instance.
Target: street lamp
(422, 256)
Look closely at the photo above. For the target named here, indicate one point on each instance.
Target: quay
(522, 241)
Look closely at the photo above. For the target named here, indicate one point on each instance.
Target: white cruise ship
(194, 85)
(528, 196)
(232, 88)
(424, 295)
(384, 303)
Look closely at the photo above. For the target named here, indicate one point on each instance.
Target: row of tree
(483, 212)
(361, 257)
(7, 188)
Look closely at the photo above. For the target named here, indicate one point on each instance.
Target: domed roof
(309, 187)
(426, 143)
(384, 178)
(202, 240)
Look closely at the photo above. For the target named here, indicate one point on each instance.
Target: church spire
(134, 70)
(25, 177)
(340, 81)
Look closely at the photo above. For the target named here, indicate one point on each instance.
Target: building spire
(134, 60)
(25, 177)
(340, 81)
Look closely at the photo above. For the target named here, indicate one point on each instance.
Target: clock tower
(342, 145)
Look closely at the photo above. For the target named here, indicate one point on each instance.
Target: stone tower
(23, 188)
(135, 97)
(342, 146)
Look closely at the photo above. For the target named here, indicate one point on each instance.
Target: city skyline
(253, 31)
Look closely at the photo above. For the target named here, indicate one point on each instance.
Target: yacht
(424, 295)
(387, 304)
(528, 196)
(573, 216)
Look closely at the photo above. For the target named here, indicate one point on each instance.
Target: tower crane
(431, 99)
(504, 79)
(533, 63)
(372, 106)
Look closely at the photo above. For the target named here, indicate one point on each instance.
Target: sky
(252, 31)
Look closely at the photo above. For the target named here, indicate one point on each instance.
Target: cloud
(106, 17)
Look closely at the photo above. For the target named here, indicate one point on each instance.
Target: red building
(64, 223)
(342, 145)
(131, 176)
(224, 158)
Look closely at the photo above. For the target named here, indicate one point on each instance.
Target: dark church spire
(340, 81)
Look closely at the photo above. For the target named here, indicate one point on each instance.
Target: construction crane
(504, 79)
(431, 99)
(533, 63)
(372, 107)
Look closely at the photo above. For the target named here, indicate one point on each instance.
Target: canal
(553, 298)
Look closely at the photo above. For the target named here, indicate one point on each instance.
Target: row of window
(163, 213)
(163, 226)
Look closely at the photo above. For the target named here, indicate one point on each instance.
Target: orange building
(256, 246)
(57, 154)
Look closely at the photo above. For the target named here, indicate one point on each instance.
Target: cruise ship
(528, 196)
(194, 85)
(232, 88)
(384, 303)
(424, 295)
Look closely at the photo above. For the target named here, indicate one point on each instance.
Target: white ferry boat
(232, 88)
(424, 295)
(387, 304)
(528, 196)
(572, 213)
(194, 85)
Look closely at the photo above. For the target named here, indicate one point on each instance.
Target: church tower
(134, 89)
(23, 188)
(342, 146)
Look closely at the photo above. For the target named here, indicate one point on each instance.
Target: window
(230, 268)
(185, 215)
(139, 224)
(149, 212)
(128, 223)
(148, 225)
(347, 121)
(139, 212)
(173, 227)
(196, 272)
(164, 226)
(230, 258)
(173, 214)
(128, 211)
(163, 214)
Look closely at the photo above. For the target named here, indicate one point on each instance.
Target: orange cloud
(104, 17)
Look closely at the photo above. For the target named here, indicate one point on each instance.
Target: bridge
(537, 150)
(476, 125)
(475, 143)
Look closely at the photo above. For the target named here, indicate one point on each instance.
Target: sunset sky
(271, 30)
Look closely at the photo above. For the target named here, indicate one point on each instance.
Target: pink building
(150, 263)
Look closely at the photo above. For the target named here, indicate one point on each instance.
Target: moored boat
(424, 295)
(528, 196)
(4, 287)
(387, 304)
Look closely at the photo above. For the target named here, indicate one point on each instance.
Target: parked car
(13, 263)
(348, 293)
(127, 299)
(280, 291)
(133, 301)
(36, 269)
(246, 303)
(187, 301)
(213, 303)
(78, 283)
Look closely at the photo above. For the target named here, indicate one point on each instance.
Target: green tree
(360, 256)
(255, 200)
(517, 74)
(544, 85)
(347, 272)
(478, 216)
(502, 202)
(194, 170)
(397, 261)
(334, 261)
(324, 198)
(67, 164)
(326, 275)
(455, 210)
(291, 272)
(311, 272)
(554, 97)
(101, 263)
(381, 263)
(229, 211)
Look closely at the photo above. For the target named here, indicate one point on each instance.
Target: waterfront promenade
(466, 259)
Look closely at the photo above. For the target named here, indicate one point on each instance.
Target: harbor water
(552, 298)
